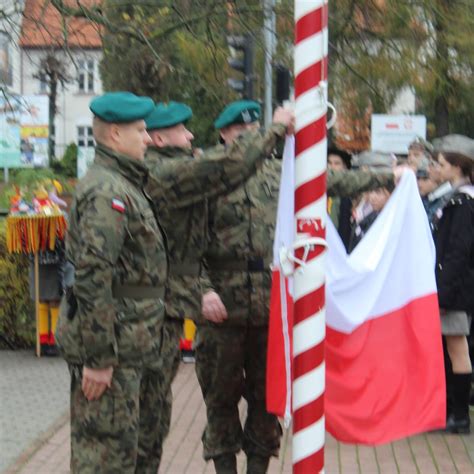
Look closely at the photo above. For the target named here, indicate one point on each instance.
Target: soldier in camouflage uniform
(111, 318)
(231, 347)
(180, 186)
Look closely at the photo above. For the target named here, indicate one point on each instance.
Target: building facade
(38, 54)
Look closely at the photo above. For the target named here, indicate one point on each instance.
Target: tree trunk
(443, 81)
(441, 116)
(53, 92)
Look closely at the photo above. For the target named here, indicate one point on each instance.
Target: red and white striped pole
(311, 50)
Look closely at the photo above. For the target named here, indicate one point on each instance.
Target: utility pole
(269, 26)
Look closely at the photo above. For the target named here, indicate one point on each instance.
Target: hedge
(17, 321)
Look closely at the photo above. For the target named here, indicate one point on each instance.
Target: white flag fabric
(392, 265)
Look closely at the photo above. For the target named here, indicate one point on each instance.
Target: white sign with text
(393, 133)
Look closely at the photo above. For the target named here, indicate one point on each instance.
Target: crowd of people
(157, 233)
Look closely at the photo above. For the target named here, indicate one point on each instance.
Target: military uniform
(113, 314)
(231, 356)
(180, 186)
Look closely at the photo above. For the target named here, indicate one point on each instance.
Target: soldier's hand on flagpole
(285, 117)
(96, 381)
(212, 307)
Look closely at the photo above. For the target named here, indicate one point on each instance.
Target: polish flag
(384, 358)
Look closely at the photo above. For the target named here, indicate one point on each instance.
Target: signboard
(85, 156)
(10, 154)
(393, 133)
(24, 131)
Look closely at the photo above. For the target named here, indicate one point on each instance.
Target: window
(43, 86)
(5, 59)
(85, 137)
(86, 69)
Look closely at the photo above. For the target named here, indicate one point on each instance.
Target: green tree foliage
(445, 85)
(67, 166)
(184, 56)
(17, 324)
(377, 49)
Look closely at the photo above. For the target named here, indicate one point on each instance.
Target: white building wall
(72, 104)
(11, 25)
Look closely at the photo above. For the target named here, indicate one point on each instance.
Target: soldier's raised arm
(184, 180)
(351, 183)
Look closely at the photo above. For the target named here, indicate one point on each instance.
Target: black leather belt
(138, 292)
(258, 264)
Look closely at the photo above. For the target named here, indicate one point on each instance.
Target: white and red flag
(383, 349)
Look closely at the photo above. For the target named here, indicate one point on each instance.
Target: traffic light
(244, 46)
(282, 83)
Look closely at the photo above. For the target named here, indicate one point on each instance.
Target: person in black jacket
(454, 240)
(340, 208)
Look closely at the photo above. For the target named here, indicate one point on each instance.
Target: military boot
(225, 464)
(257, 464)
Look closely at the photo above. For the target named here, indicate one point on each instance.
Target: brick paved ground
(427, 453)
(33, 394)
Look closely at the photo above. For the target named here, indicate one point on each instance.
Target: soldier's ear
(114, 133)
(158, 137)
(223, 133)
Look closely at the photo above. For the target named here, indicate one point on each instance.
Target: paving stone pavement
(426, 454)
(34, 393)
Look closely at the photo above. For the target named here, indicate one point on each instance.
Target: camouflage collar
(169, 151)
(134, 170)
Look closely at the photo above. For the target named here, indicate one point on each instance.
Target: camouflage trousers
(118, 432)
(230, 364)
(123, 431)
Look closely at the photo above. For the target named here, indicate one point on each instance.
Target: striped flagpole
(311, 50)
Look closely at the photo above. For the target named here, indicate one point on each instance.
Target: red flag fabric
(385, 380)
(278, 360)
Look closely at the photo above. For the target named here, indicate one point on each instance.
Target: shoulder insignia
(118, 205)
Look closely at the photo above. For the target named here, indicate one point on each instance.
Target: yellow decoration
(58, 186)
(33, 233)
(189, 330)
(329, 204)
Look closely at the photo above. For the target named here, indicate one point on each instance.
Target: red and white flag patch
(118, 205)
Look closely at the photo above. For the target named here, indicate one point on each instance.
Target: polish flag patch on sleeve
(118, 205)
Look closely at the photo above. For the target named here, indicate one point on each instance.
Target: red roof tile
(43, 26)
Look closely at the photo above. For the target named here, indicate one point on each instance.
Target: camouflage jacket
(180, 186)
(115, 243)
(241, 233)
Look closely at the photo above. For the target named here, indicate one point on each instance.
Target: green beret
(455, 144)
(166, 115)
(121, 107)
(241, 111)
